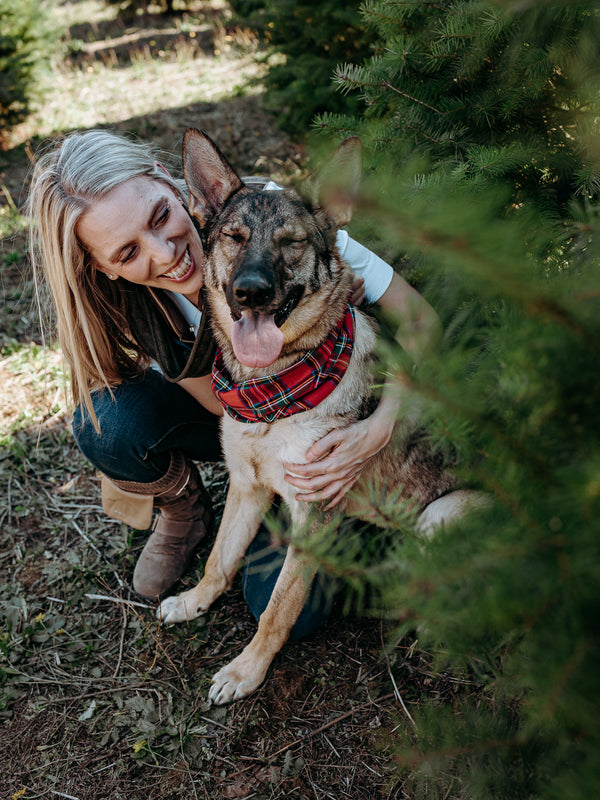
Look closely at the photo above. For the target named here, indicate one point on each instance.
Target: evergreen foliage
(508, 600)
(23, 34)
(481, 131)
(304, 43)
(496, 90)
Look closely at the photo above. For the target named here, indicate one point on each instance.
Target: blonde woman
(112, 236)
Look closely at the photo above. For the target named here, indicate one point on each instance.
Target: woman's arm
(336, 461)
(200, 389)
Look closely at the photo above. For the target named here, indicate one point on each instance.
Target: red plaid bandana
(297, 388)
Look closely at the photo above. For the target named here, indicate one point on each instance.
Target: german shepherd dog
(277, 288)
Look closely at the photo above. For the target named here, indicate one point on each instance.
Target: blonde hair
(90, 312)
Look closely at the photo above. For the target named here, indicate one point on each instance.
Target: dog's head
(272, 269)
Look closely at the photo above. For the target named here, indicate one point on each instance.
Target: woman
(124, 261)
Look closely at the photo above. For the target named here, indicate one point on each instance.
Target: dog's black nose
(253, 289)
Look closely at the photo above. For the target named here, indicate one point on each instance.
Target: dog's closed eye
(234, 235)
(291, 241)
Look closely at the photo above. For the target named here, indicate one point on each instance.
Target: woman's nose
(162, 250)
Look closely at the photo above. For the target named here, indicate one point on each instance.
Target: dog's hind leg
(245, 673)
(450, 507)
(244, 510)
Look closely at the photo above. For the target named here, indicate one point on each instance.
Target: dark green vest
(162, 332)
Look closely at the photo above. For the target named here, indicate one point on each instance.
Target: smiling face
(140, 231)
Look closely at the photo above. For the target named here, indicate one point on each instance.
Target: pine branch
(410, 97)
(351, 76)
(415, 757)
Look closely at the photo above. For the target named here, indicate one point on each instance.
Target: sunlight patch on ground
(68, 14)
(33, 388)
(100, 95)
(112, 71)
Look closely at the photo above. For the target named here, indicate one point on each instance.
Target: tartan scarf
(297, 388)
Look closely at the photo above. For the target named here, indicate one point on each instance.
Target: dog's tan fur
(239, 221)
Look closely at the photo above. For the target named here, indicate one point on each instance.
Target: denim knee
(141, 421)
(262, 568)
(120, 448)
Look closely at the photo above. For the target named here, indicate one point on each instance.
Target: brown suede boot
(184, 519)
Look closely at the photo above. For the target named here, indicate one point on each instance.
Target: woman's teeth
(181, 270)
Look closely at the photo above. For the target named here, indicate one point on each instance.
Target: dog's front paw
(234, 681)
(179, 608)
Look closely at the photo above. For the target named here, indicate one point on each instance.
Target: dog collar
(297, 388)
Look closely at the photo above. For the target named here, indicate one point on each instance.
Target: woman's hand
(336, 461)
(358, 290)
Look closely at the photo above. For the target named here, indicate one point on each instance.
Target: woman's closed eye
(159, 218)
(162, 216)
(127, 255)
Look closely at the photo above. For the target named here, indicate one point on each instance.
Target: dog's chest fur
(258, 450)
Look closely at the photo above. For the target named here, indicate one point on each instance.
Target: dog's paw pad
(232, 683)
(226, 691)
(177, 609)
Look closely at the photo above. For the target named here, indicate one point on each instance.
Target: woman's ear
(104, 270)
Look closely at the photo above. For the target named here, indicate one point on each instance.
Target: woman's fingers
(358, 290)
(316, 488)
(317, 474)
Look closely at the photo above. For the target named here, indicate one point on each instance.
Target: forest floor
(98, 701)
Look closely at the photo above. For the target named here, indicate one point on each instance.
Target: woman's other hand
(336, 462)
(358, 290)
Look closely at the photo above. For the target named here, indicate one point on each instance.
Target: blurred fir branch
(500, 223)
(508, 598)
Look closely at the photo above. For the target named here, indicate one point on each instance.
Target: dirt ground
(97, 700)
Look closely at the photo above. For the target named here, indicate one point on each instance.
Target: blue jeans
(141, 424)
(144, 420)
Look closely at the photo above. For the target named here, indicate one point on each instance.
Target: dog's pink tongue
(256, 340)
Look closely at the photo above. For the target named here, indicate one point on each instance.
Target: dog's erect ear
(209, 176)
(338, 183)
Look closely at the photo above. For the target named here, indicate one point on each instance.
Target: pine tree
(304, 43)
(24, 34)
(483, 125)
(496, 90)
(508, 600)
